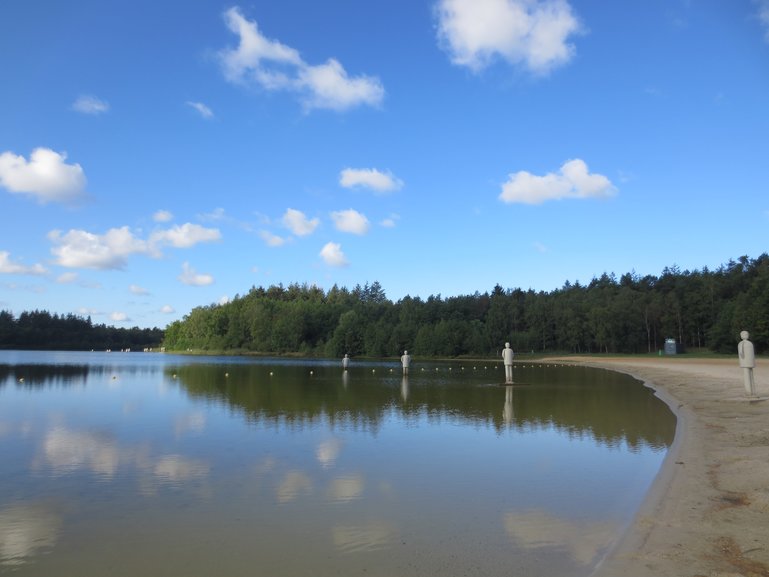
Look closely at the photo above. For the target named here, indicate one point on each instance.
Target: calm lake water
(153, 464)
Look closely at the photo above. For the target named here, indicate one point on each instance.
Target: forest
(701, 309)
(41, 330)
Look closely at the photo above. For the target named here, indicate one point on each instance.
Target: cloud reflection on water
(584, 541)
(25, 529)
(293, 484)
(328, 452)
(345, 489)
(363, 538)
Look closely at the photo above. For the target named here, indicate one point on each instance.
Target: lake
(158, 464)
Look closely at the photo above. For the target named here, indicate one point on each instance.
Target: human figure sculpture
(405, 362)
(507, 358)
(346, 361)
(747, 362)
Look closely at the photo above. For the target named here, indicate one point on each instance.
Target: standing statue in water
(747, 362)
(405, 362)
(346, 361)
(507, 358)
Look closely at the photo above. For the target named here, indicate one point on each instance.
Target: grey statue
(405, 361)
(747, 362)
(507, 358)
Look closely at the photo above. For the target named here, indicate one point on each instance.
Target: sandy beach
(707, 513)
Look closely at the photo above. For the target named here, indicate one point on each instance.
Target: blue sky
(161, 155)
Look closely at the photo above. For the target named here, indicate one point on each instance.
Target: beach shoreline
(707, 511)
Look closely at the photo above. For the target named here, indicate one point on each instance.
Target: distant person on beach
(405, 361)
(346, 361)
(747, 362)
(507, 358)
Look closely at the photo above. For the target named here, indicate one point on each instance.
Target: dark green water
(148, 464)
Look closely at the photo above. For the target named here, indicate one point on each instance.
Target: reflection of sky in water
(402, 486)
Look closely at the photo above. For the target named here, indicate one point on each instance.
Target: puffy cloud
(275, 66)
(162, 216)
(191, 277)
(7, 266)
(137, 290)
(332, 255)
(369, 178)
(185, 236)
(350, 221)
(167, 309)
(534, 33)
(329, 86)
(272, 240)
(90, 105)
(118, 317)
(46, 176)
(573, 181)
(201, 109)
(298, 223)
(81, 249)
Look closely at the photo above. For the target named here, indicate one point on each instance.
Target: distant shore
(707, 513)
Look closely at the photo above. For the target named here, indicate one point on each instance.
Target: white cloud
(369, 178)
(185, 236)
(66, 278)
(534, 33)
(298, 223)
(275, 66)
(118, 317)
(191, 277)
(167, 309)
(390, 221)
(7, 266)
(46, 176)
(329, 86)
(137, 290)
(272, 240)
(572, 181)
(201, 108)
(350, 220)
(162, 216)
(81, 249)
(332, 254)
(224, 299)
(90, 105)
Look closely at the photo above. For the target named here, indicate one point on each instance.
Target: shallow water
(141, 463)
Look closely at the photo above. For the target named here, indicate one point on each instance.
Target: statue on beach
(507, 358)
(747, 362)
(346, 361)
(405, 362)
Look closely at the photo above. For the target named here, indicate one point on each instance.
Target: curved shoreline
(707, 511)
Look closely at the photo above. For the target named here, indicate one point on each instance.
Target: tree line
(700, 309)
(41, 330)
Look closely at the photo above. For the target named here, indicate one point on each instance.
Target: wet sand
(707, 513)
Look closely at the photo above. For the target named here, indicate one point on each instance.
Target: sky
(160, 155)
